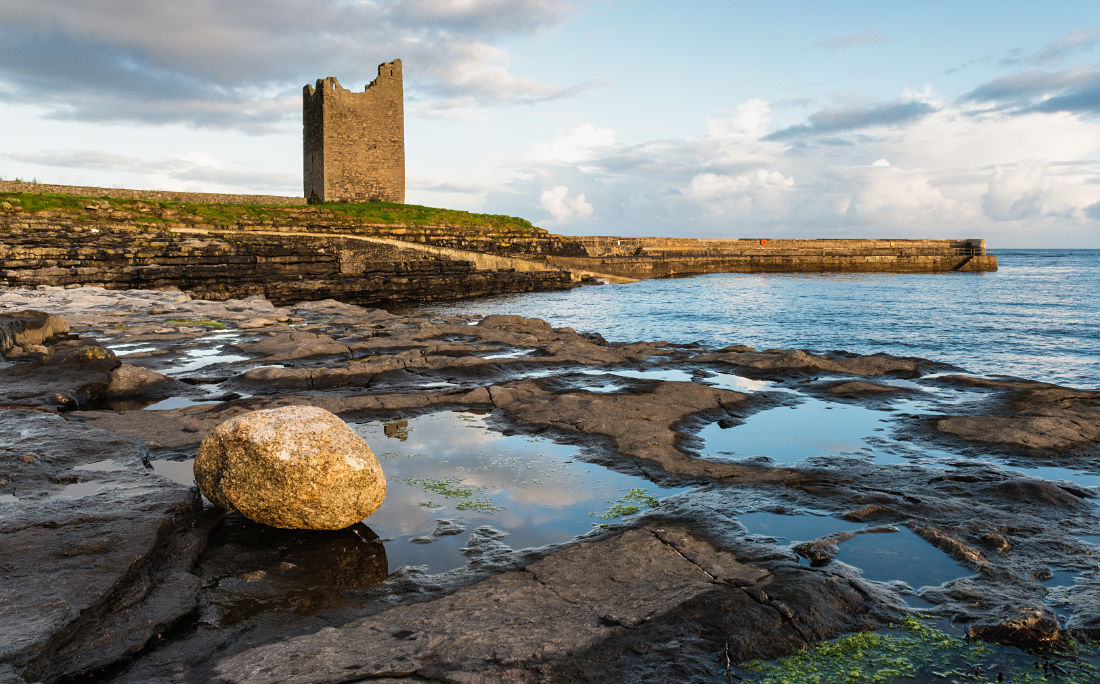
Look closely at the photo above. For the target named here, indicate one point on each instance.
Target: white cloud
(193, 171)
(571, 146)
(1015, 192)
(1034, 189)
(226, 65)
(750, 121)
(956, 170)
(889, 196)
(708, 186)
(561, 207)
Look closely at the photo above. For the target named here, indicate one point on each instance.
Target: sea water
(1037, 317)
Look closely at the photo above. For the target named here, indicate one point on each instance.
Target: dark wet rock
(1028, 415)
(1027, 432)
(797, 361)
(129, 381)
(641, 425)
(1085, 620)
(699, 580)
(958, 549)
(295, 467)
(1034, 492)
(96, 549)
(869, 513)
(444, 528)
(515, 323)
(28, 328)
(578, 612)
(996, 542)
(287, 346)
(71, 373)
(1026, 627)
(856, 388)
(819, 551)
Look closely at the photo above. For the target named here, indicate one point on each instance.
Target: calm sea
(1037, 317)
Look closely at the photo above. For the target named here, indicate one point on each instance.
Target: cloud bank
(915, 166)
(242, 65)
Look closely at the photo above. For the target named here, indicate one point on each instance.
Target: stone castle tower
(353, 144)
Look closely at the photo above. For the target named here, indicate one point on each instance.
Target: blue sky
(703, 119)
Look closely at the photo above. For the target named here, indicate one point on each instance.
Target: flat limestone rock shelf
(96, 549)
(701, 551)
(600, 594)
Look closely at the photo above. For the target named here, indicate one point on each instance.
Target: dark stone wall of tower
(354, 142)
(313, 142)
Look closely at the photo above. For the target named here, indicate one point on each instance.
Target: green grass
(231, 214)
(914, 651)
(34, 203)
(416, 215)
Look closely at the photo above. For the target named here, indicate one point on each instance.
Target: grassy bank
(386, 213)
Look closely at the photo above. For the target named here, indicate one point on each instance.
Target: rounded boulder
(295, 467)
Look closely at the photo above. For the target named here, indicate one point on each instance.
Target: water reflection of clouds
(541, 492)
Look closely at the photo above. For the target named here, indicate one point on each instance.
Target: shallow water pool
(790, 434)
(449, 474)
(451, 466)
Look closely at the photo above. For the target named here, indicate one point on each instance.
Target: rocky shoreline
(114, 571)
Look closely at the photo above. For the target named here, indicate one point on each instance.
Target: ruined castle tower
(353, 144)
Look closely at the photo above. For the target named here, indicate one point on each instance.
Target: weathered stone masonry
(353, 144)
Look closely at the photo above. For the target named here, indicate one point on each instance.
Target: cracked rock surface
(117, 573)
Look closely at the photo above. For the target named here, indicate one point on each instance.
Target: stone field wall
(148, 195)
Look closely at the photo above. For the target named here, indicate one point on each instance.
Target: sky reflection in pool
(175, 403)
(668, 375)
(528, 487)
(790, 434)
(900, 555)
(201, 358)
(738, 383)
(793, 528)
(881, 556)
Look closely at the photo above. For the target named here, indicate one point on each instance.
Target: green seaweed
(477, 505)
(628, 504)
(452, 488)
(914, 651)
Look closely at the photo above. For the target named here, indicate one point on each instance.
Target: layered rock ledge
(116, 572)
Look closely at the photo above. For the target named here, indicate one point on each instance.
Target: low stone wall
(612, 246)
(148, 195)
(669, 267)
(50, 250)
